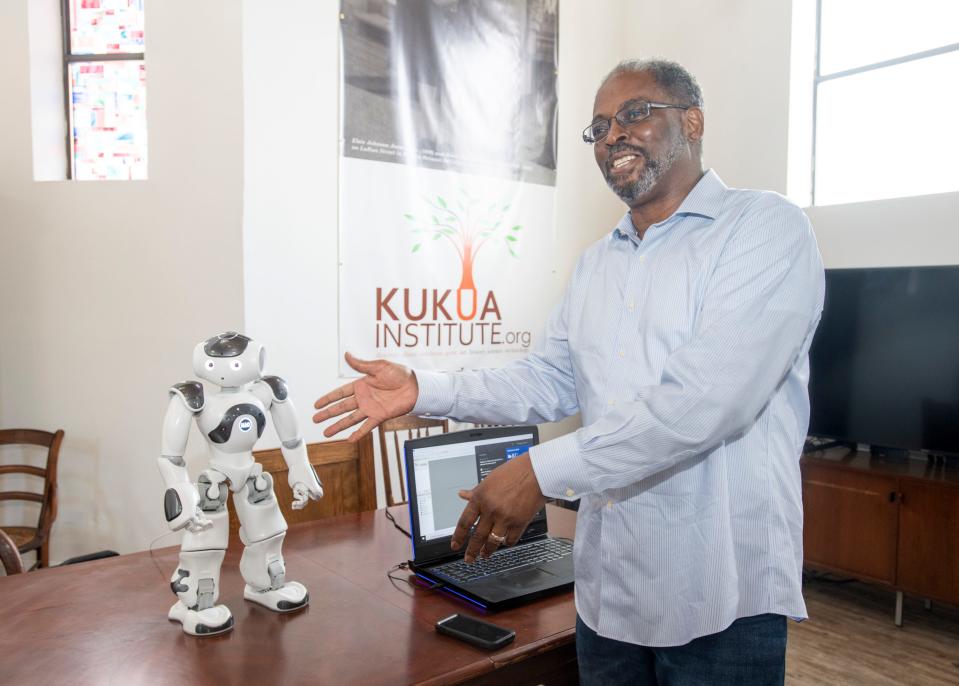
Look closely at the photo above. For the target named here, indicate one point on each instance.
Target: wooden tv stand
(893, 522)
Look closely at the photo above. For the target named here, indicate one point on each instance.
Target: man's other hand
(504, 502)
(388, 390)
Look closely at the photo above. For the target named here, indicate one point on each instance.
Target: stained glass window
(106, 88)
(100, 27)
(109, 126)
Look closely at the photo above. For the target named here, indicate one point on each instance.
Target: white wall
(740, 52)
(738, 49)
(291, 80)
(106, 286)
(887, 233)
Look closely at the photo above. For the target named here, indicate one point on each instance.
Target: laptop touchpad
(526, 578)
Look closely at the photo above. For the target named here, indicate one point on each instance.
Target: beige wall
(106, 286)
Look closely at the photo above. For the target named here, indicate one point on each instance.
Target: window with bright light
(884, 99)
(105, 88)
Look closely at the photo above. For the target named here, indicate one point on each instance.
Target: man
(683, 340)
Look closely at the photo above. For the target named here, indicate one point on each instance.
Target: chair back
(9, 555)
(345, 469)
(38, 537)
(393, 435)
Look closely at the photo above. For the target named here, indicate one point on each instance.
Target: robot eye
(210, 364)
(235, 365)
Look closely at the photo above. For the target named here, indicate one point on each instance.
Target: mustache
(624, 147)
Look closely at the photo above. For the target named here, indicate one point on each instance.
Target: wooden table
(104, 622)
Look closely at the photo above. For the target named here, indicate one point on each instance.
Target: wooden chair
(27, 538)
(393, 435)
(345, 469)
(9, 555)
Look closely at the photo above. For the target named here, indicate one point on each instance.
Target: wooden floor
(850, 638)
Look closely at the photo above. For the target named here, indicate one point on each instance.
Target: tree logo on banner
(468, 227)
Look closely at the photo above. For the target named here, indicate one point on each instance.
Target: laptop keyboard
(507, 559)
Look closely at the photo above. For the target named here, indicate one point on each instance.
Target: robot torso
(232, 422)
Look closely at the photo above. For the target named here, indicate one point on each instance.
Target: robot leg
(196, 581)
(262, 530)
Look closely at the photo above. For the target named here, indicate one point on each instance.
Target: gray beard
(630, 191)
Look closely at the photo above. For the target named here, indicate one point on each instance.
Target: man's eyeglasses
(632, 113)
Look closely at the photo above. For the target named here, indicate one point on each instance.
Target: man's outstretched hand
(388, 390)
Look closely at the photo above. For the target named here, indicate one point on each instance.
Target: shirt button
(642, 258)
(622, 353)
(570, 492)
(630, 306)
(609, 504)
(611, 403)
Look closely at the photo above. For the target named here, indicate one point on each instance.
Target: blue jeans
(751, 652)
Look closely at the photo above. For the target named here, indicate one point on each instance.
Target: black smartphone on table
(475, 631)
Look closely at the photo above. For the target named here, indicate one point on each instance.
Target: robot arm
(181, 501)
(303, 479)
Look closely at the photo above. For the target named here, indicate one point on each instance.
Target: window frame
(819, 77)
(69, 59)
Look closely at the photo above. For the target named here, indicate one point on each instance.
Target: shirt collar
(705, 200)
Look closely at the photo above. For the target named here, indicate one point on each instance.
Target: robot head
(229, 359)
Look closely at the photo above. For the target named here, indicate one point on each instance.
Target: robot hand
(182, 501)
(306, 486)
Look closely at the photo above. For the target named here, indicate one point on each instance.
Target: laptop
(437, 467)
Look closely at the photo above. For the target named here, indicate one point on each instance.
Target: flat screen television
(884, 364)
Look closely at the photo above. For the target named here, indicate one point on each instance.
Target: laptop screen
(438, 467)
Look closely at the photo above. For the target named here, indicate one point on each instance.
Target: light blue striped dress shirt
(687, 355)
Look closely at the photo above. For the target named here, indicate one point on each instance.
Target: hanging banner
(447, 178)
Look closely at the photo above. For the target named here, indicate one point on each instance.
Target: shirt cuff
(560, 468)
(435, 398)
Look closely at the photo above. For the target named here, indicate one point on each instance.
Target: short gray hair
(671, 77)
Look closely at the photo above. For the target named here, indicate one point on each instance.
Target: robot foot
(213, 620)
(290, 596)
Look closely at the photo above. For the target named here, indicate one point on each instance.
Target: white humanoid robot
(231, 421)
